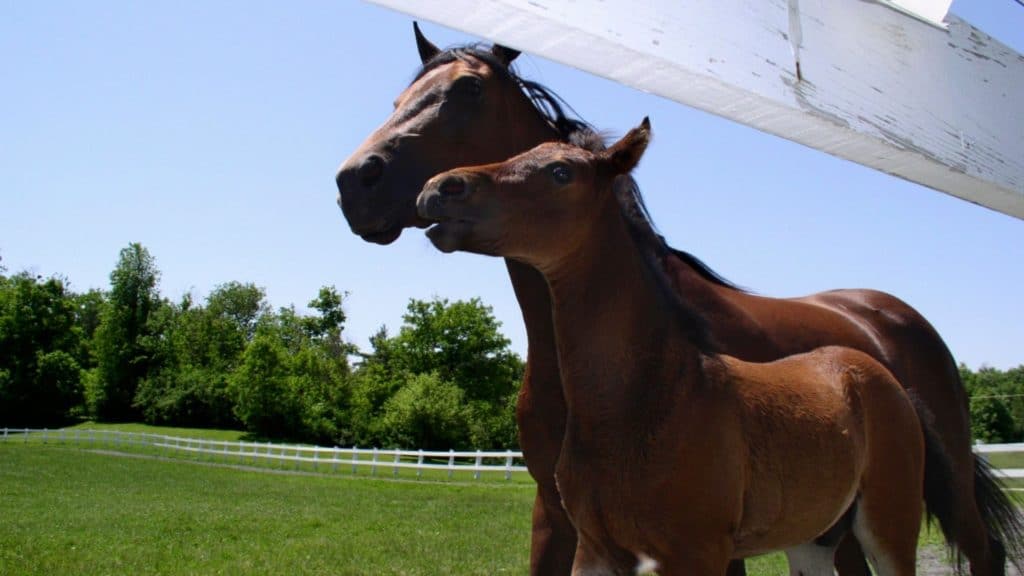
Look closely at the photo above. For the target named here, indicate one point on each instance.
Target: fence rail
(373, 458)
(318, 456)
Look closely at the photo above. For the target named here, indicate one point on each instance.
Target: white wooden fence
(331, 458)
(320, 458)
(985, 449)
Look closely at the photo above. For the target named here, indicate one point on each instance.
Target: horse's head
(535, 207)
(464, 107)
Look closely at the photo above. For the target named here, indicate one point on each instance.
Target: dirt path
(933, 561)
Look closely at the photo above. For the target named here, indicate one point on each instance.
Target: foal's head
(536, 207)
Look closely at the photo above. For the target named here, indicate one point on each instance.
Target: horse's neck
(620, 344)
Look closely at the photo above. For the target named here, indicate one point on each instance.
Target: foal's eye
(561, 173)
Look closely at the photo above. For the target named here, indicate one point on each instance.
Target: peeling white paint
(933, 106)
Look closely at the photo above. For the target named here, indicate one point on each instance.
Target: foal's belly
(793, 498)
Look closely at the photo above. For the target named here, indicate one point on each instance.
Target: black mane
(655, 250)
(549, 105)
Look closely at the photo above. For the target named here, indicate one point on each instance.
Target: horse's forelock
(546, 102)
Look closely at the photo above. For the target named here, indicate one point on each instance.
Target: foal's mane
(654, 250)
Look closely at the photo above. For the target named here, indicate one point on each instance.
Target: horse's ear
(625, 154)
(426, 47)
(503, 53)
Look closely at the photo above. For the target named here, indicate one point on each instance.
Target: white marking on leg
(645, 564)
(810, 560)
(880, 563)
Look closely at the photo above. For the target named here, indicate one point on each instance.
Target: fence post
(334, 460)
(373, 467)
(355, 458)
(5, 434)
(451, 463)
(26, 435)
(395, 471)
(508, 465)
(479, 462)
(63, 435)
(316, 460)
(45, 432)
(419, 464)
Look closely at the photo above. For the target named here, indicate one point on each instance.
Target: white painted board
(875, 86)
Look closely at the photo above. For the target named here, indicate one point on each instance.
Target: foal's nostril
(371, 170)
(452, 186)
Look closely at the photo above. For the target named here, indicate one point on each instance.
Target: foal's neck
(621, 345)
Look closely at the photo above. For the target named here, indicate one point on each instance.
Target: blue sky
(210, 132)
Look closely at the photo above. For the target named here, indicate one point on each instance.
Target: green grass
(72, 511)
(204, 433)
(77, 509)
(1006, 459)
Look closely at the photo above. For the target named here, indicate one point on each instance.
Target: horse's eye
(561, 173)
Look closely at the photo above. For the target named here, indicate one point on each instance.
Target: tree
(119, 344)
(460, 341)
(40, 377)
(991, 421)
(429, 413)
(263, 401)
(293, 380)
(458, 345)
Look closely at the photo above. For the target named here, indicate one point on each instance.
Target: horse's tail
(940, 492)
(1002, 518)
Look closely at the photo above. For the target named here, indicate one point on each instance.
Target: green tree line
(447, 379)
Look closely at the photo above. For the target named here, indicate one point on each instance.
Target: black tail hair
(940, 494)
(1002, 518)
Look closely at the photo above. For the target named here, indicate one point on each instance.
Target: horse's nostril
(371, 171)
(452, 186)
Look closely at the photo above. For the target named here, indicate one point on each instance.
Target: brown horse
(676, 458)
(466, 106)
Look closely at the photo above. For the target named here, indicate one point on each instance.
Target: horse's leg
(552, 534)
(540, 414)
(736, 568)
(849, 558)
(592, 558)
(887, 519)
(811, 560)
(553, 540)
(696, 562)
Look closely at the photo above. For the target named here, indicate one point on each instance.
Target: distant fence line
(374, 458)
(318, 456)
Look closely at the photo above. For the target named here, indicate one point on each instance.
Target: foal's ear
(504, 54)
(426, 47)
(625, 154)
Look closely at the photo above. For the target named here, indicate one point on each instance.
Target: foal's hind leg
(888, 533)
(810, 560)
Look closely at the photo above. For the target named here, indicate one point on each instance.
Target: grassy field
(83, 436)
(73, 509)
